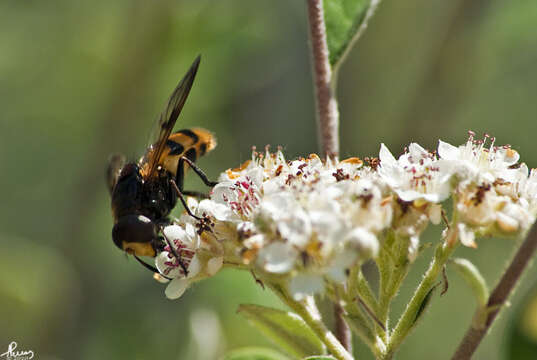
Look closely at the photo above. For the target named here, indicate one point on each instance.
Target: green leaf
(254, 353)
(286, 329)
(473, 277)
(423, 306)
(345, 21)
(320, 357)
(361, 328)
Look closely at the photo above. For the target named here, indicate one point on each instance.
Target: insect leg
(149, 267)
(196, 194)
(172, 249)
(182, 198)
(196, 169)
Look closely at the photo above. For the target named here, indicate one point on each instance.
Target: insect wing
(115, 163)
(170, 114)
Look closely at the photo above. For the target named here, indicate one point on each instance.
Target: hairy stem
(416, 304)
(310, 314)
(326, 104)
(499, 296)
(393, 267)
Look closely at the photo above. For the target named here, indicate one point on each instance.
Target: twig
(310, 314)
(343, 332)
(327, 112)
(327, 118)
(499, 296)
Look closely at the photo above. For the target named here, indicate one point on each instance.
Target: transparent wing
(169, 116)
(115, 163)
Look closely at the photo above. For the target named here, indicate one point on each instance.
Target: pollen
(353, 161)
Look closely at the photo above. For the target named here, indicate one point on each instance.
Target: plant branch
(415, 306)
(343, 332)
(326, 104)
(310, 314)
(499, 296)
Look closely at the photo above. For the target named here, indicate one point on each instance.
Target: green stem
(393, 268)
(359, 320)
(310, 314)
(358, 285)
(414, 307)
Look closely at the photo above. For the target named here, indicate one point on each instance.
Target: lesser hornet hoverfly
(145, 192)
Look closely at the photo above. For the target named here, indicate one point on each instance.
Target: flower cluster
(308, 221)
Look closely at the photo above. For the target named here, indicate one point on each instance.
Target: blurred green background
(82, 79)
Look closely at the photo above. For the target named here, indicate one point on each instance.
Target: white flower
(415, 175)
(375, 211)
(239, 192)
(527, 188)
(302, 216)
(306, 222)
(477, 162)
(181, 262)
(486, 210)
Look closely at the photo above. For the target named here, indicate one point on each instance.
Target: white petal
(409, 195)
(305, 284)
(255, 242)
(365, 242)
(256, 175)
(159, 261)
(435, 213)
(296, 229)
(386, 156)
(274, 206)
(507, 223)
(175, 232)
(340, 264)
(192, 203)
(277, 258)
(219, 211)
(413, 248)
(167, 270)
(176, 288)
(448, 151)
(466, 236)
(415, 150)
(214, 265)
(194, 267)
(190, 230)
(327, 225)
(222, 192)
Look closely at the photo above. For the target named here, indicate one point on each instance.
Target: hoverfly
(145, 192)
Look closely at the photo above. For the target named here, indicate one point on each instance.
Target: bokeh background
(82, 79)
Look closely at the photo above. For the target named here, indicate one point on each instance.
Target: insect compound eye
(133, 229)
